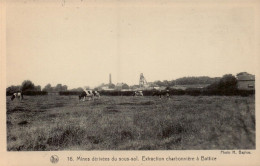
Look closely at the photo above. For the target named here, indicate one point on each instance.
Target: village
(245, 81)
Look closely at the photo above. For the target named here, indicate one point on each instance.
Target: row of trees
(223, 85)
(187, 81)
(26, 85)
(179, 81)
(57, 88)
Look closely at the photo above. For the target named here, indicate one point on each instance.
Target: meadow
(53, 122)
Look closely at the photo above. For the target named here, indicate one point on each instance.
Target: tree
(37, 88)
(227, 85)
(166, 83)
(77, 89)
(87, 87)
(228, 82)
(125, 86)
(58, 88)
(195, 80)
(64, 88)
(111, 86)
(12, 89)
(47, 88)
(134, 87)
(27, 85)
(159, 83)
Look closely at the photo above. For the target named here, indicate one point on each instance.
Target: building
(105, 87)
(245, 81)
(110, 79)
(159, 87)
(119, 86)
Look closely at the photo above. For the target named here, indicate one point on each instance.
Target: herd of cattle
(91, 95)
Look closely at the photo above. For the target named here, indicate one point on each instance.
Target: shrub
(67, 93)
(12, 89)
(35, 93)
(193, 91)
(116, 93)
(177, 92)
(227, 85)
(27, 85)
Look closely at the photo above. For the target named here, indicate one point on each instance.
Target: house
(104, 87)
(245, 81)
(159, 87)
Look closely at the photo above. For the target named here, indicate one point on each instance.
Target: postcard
(95, 82)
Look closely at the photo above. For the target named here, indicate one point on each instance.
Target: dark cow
(82, 95)
(161, 93)
(90, 94)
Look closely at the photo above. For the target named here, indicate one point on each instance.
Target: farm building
(105, 87)
(245, 81)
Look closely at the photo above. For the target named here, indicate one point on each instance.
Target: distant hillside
(196, 80)
(188, 81)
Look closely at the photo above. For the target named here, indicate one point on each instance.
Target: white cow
(97, 94)
(17, 95)
(138, 93)
(90, 94)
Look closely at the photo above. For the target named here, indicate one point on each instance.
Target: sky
(79, 44)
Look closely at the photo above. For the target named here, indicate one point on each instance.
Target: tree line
(226, 85)
(28, 87)
(187, 81)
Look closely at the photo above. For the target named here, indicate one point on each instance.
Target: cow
(96, 93)
(82, 95)
(138, 93)
(160, 93)
(90, 94)
(18, 95)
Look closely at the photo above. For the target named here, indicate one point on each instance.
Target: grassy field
(131, 123)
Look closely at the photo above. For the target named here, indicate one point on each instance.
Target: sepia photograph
(130, 76)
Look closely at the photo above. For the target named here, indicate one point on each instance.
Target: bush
(193, 91)
(177, 92)
(245, 93)
(28, 93)
(35, 93)
(12, 89)
(27, 85)
(67, 93)
(227, 85)
(116, 93)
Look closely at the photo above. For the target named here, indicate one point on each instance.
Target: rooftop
(244, 76)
